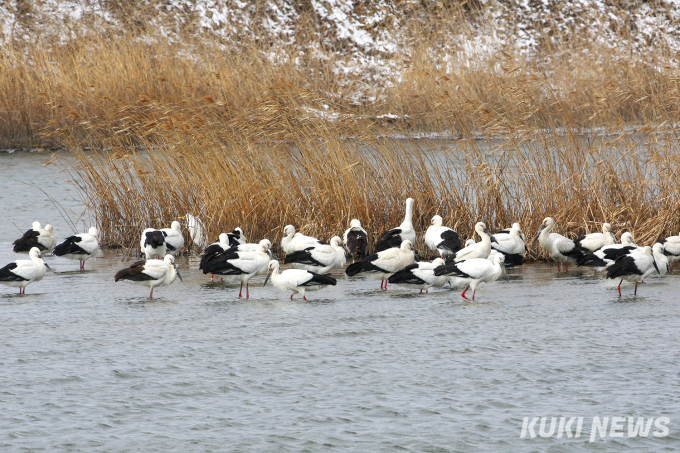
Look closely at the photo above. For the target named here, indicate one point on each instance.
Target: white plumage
(174, 239)
(558, 247)
(292, 241)
(296, 280)
(420, 276)
(197, 231)
(474, 272)
(606, 256)
(396, 236)
(478, 249)
(672, 249)
(635, 265)
(79, 247)
(356, 239)
(511, 244)
(319, 258)
(151, 273)
(22, 273)
(441, 238)
(382, 264)
(593, 241)
(152, 244)
(240, 266)
(42, 238)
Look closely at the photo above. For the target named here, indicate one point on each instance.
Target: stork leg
(566, 267)
(212, 278)
(635, 293)
(558, 267)
(304, 297)
(473, 294)
(619, 287)
(385, 285)
(247, 291)
(151, 294)
(463, 293)
(291, 296)
(240, 289)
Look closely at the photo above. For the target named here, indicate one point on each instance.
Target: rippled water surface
(87, 364)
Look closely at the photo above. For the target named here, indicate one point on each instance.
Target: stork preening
(22, 273)
(480, 249)
(558, 247)
(174, 239)
(79, 247)
(296, 280)
(606, 256)
(593, 241)
(43, 239)
(420, 276)
(152, 244)
(442, 239)
(240, 266)
(473, 272)
(383, 264)
(320, 258)
(150, 273)
(633, 266)
(511, 244)
(356, 240)
(671, 247)
(292, 241)
(396, 236)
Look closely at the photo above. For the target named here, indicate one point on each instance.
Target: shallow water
(88, 364)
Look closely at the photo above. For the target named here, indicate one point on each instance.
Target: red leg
(212, 277)
(247, 291)
(304, 297)
(240, 289)
(381, 283)
(620, 287)
(566, 268)
(558, 267)
(151, 294)
(385, 285)
(635, 293)
(421, 291)
(463, 294)
(473, 294)
(291, 297)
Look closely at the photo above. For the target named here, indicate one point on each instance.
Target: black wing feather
(318, 279)
(622, 267)
(133, 273)
(6, 274)
(302, 257)
(388, 240)
(450, 269)
(70, 247)
(451, 241)
(357, 243)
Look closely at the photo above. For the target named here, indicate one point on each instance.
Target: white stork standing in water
(22, 273)
(634, 266)
(227, 245)
(320, 258)
(174, 239)
(480, 249)
(474, 272)
(606, 256)
(296, 280)
(79, 247)
(593, 241)
(441, 238)
(511, 244)
(150, 273)
(671, 249)
(356, 239)
(420, 276)
(292, 241)
(43, 239)
(152, 244)
(396, 236)
(383, 264)
(558, 247)
(239, 266)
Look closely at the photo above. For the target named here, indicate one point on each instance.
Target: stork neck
(408, 216)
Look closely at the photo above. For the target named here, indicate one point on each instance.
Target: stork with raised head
(356, 239)
(473, 272)
(150, 273)
(174, 239)
(383, 264)
(79, 247)
(606, 256)
(22, 273)
(237, 266)
(41, 238)
(480, 249)
(197, 231)
(420, 276)
(320, 258)
(441, 238)
(511, 244)
(558, 247)
(296, 280)
(593, 241)
(292, 241)
(633, 266)
(396, 236)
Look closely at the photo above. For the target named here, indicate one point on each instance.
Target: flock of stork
(393, 261)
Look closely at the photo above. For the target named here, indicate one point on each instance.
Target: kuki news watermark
(597, 427)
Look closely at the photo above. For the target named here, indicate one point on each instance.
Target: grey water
(87, 364)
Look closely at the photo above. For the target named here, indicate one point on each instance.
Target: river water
(91, 365)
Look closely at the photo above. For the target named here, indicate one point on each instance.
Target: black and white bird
(152, 244)
(473, 272)
(396, 236)
(292, 241)
(236, 237)
(228, 245)
(383, 264)
(197, 231)
(480, 249)
(296, 280)
(633, 266)
(81, 247)
(420, 276)
(671, 247)
(558, 247)
(174, 239)
(22, 273)
(356, 239)
(511, 244)
(507, 231)
(237, 266)
(593, 241)
(606, 256)
(320, 258)
(441, 238)
(42, 238)
(150, 273)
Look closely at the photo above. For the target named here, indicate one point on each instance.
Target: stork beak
(267, 278)
(47, 265)
(177, 271)
(539, 233)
